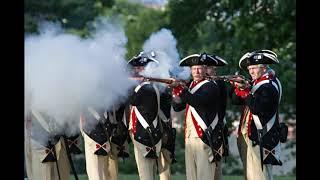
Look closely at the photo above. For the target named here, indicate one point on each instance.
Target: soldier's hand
(240, 82)
(176, 99)
(174, 83)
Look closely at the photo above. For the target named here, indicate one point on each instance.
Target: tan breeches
(250, 157)
(28, 154)
(198, 166)
(164, 166)
(36, 170)
(242, 147)
(100, 167)
(146, 166)
(218, 172)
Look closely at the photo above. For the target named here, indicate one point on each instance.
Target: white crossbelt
(94, 113)
(163, 117)
(256, 119)
(41, 120)
(141, 119)
(194, 89)
(195, 114)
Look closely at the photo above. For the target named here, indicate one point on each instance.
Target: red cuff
(177, 90)
(242, 93)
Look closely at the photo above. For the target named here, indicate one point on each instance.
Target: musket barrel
(161, 80)
(170, 82)
(229, 78)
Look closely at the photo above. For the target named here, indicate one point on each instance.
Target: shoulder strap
(138, 114)
(255, 87)
(162, 116)
(193, 90)
(278, 87)
(140, 85)
(155, 122)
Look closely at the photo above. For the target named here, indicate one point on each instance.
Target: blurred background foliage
(228, 28)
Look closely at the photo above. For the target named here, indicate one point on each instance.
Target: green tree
(71, 13)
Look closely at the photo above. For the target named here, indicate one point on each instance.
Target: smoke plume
(164, 45)
(65, 73)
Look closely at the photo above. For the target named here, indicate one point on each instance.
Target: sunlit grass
(182, 177)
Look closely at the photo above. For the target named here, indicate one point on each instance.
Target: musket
(70, 160)
(224, 141)
(174, 134)
(170, 144)
(171, 82)
(232, 78)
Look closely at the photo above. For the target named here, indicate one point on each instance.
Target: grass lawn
(182, 177)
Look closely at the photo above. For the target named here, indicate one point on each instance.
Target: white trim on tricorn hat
(221, 62)
(258, 57)
(142, 59)
(192, 58)
(202, 59)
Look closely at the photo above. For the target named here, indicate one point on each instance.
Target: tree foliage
(71, 13)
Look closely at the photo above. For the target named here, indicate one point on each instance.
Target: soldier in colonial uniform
(46, 152)
(203, 132)
(211, 71)
(144, 124)
(97, 126)
(259, 134)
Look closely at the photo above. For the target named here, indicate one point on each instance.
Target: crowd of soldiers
(144, 120)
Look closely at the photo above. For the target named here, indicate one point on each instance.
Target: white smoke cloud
(164, 45)
(64, 73)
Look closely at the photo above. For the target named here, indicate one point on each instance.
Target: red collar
(263, 77)
(194, 83)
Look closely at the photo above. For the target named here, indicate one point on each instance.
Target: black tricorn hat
(142, 59)
(202, 59)
(258, 57)
(221, 62)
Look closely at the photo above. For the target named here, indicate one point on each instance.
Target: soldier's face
(136, 70)
(256, 71)
(198, 72)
